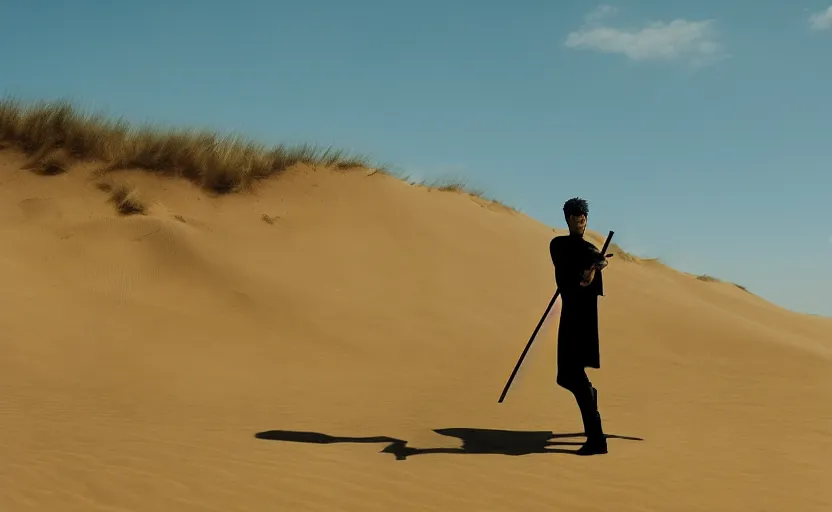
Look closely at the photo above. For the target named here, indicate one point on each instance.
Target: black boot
(596, 441)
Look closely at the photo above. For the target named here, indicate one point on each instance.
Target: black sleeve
(567, 275)
(594, 256)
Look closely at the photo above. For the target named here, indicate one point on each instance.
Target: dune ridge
(331, 340)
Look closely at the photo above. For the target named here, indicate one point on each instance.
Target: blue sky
(698, 131)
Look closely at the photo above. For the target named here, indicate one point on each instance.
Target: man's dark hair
(575, 206)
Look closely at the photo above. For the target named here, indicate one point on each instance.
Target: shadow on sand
(474, 441)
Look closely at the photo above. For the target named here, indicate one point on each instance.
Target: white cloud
(693, 41)
(600, 12)
(821, 20)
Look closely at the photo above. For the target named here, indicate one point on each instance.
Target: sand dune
(364, 327)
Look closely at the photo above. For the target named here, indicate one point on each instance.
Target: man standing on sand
(578, 264)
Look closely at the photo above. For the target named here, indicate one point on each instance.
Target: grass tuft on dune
(218, 163)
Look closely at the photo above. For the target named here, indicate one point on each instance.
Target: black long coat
(578, 345)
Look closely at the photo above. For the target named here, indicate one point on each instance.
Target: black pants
(575, 380)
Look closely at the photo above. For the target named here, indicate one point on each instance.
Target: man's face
(577, 224)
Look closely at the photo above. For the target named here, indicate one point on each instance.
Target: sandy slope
(141, 355)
